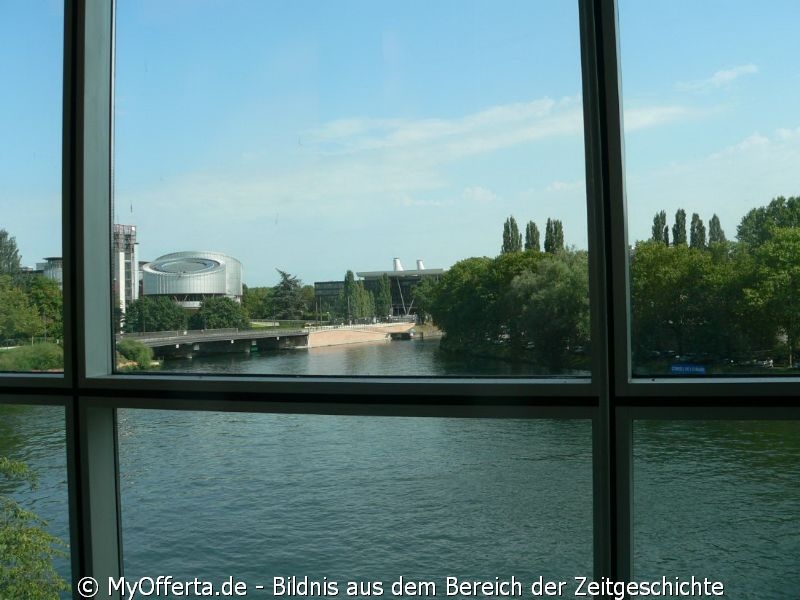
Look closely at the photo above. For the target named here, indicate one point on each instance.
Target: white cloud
(719, 79)
(566, 186)
(479, 194)
(653, 116)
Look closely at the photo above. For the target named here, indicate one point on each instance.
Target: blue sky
(317, 137)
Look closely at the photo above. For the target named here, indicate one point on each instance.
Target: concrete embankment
(355, 334)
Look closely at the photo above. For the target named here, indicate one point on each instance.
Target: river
(256, 496)
(407, 358)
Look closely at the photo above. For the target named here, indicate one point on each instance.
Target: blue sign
(688, 369)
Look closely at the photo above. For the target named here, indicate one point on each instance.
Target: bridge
(196, 342)
(192, 342)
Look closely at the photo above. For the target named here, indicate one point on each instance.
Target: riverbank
(355, 334)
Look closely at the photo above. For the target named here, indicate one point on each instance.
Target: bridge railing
(176, 333)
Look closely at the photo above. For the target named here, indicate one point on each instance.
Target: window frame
(91, 393)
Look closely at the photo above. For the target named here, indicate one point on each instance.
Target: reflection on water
(420, 358)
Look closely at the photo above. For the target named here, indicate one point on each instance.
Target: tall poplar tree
(532, 237)
(9, 254)
(715, 233)
(512, 238)
(660, 229)
(679, 228)
(553, 236)
(697, 233)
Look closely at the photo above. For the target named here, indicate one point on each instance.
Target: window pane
(33, 478)
(358, 498)
(31, 57)
(712, 138)
(718, 500)
(319, 175)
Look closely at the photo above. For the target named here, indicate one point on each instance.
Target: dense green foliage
(702, 299)
(758, 224)
(27, 550)
(134, 351)
(257, 302)
(679, 228)
(553, 236)
(532, 237)
(697, 232)
(519, 306)
(287, 299)
(512, 238)
(660, 231)
(36, 357)
(383, 297)
(154, 313)
(720, 302)
(219, 313)
(30, 307)
(356, 301)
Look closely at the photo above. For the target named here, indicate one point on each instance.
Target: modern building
(53, 268)
(125, 264)
(402, 283)
(326, 295)
(190, 277)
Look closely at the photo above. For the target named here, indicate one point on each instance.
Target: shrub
(137, 352)
(38, 357)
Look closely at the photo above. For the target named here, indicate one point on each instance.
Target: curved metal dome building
(189, 277)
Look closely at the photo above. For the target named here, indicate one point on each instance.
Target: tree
(715, 233)
(660, 229)
(256, 302)
(532, 237)
(136, 352)
(697, 232)
(553, 236)
(679, 228)
(757, 225)
(671, 301)
(287, 297)
(776, 290)
(383, 298)
(219, 312)
(9, 254)
(553, 306)
(18, 318)
(154, 313)
(45, 298)
(512, 239)
(27, 550)
(356, 302)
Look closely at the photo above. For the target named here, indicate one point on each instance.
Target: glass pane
(34, 513)
(31, 57)
(718, 500)
(712, 139)
(298, 185)
(354, 498)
